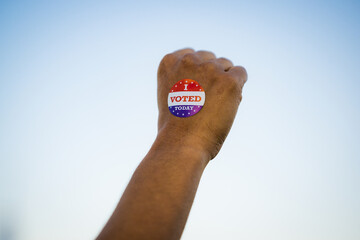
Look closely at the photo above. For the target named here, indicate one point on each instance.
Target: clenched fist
(158, 199)
(222, 83)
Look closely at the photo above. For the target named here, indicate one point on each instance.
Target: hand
(222, 83)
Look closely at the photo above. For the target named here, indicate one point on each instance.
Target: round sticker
(186, 98)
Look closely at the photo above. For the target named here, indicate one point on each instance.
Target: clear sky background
(78, 112)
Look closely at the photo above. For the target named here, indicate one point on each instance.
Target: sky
(78, 113)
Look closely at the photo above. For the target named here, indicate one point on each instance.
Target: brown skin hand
(159, 196)
(223, 85)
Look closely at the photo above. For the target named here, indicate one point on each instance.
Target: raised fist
(220, 87)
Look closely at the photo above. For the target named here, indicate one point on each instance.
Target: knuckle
(209, 66)
(169, 58)
(223, 59)
(242, 69)
(188, 58)
(242, 72)
(203, 52)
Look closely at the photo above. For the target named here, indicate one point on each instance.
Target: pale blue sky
(70, 140)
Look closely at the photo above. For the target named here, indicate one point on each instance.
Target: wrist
(180, 142)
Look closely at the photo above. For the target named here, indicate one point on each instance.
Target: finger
(205, 55)
(226, 64)
(184, 51)
(190, 59)
(239, 73)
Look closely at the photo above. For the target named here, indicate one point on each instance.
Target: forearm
(157, 201)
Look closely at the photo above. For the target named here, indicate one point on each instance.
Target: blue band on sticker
(186, 98)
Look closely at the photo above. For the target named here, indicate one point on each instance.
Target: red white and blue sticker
(186, 98)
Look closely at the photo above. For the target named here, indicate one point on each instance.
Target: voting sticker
(186, 98)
